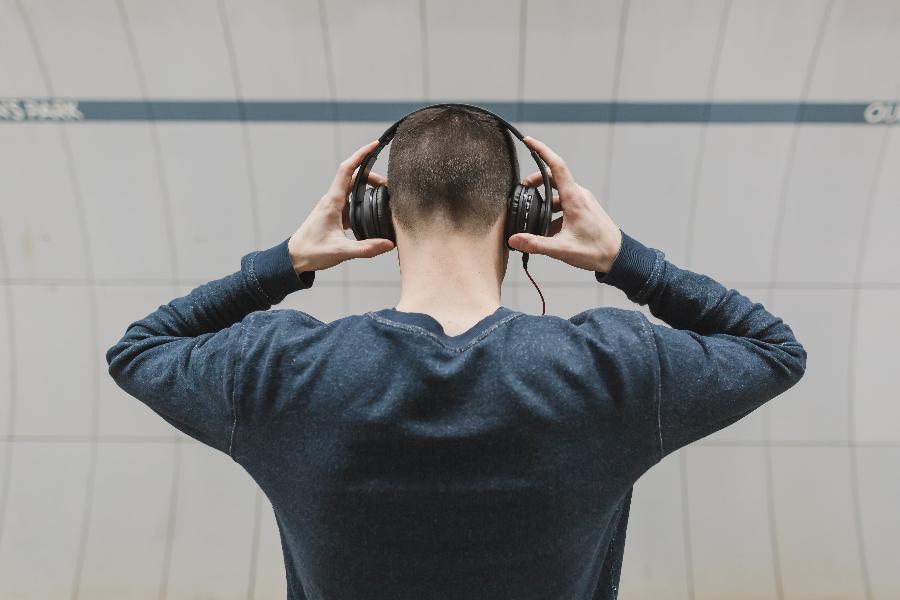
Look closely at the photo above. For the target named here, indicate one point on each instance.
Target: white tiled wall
(105, 221)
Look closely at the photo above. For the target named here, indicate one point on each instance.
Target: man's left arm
(181, 359)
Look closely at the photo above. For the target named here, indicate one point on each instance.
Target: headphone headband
(359, 185)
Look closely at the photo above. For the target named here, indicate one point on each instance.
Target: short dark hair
(451, 162)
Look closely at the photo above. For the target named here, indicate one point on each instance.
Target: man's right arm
(724, 354)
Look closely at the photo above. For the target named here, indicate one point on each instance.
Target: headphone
(370, 212)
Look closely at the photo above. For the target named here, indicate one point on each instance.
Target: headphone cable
(525, 256)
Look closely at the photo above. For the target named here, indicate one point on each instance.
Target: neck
(455, 279)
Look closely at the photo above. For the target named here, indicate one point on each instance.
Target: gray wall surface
(146, 145)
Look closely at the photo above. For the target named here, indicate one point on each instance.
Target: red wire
(525, 266)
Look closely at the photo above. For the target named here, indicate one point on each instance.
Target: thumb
(368, 248)
(531, 243)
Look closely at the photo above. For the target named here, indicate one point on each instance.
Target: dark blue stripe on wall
(63, 109)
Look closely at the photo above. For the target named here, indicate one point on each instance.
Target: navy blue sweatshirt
(403, 463)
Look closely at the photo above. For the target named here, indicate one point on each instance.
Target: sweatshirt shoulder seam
(234, 387)
(651, 343)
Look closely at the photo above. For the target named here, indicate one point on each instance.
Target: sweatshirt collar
(433, 326)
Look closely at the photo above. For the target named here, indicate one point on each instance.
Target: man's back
(496, 464)
(402, 463)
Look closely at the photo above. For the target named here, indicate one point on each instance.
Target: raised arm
(184, 359)
(720, 356)
(181, 359)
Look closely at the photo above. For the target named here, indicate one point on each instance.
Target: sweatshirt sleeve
(181, 360)
(720, 356)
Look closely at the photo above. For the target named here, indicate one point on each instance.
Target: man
(450, 447)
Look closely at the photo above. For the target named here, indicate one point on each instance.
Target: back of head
(452, 169)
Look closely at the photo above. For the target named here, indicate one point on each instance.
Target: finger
(373, 178)
(536, 178)
(367, 248)
(533, 244)
(560, 169)
(344, 202)
(341, 182)
(377, 178)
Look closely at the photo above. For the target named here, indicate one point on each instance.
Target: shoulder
(607, 351)
(603, 333)
(607, 314)
(618, 327)
(607, 322)
(279, 324)
(290, 324)
(281, 316)
(611, 335)
(612, 319)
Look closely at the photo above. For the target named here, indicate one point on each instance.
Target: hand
(320, 242)
(584, 236)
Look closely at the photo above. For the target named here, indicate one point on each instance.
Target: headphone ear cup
(528, 215)
(365, 215)
(369, 216)
(385, 227)
(512, 213)
(529, 208)
(547, 204)
(355, 220)
(542, 213)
